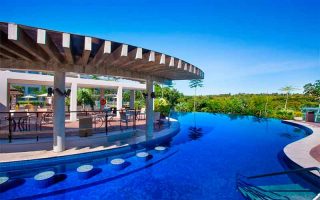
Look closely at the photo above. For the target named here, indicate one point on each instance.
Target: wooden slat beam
(7, 54)
(12, 48)
(45, 42)
(117, 56)
(176, 68)
(150, 59)
(171, 63)
(137, 63)
(21, 39)
(66, 44)
(86, 50)
(22, 49)
(133, 56)
(102, 54)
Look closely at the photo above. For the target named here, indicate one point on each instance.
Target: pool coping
(157, 139)
(298, 152)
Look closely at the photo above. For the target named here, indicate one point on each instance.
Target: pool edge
(298, 152)
(160, 137)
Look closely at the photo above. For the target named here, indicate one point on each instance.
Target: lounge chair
(142, 114)
(124, 118)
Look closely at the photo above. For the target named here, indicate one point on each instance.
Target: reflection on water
(297, 130)
(235, 117)
(286, 135)
(259, 119)
(195, 133)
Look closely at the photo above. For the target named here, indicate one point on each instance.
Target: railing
(258, 192)
(261, 193)
(21, 119)
(285, 172)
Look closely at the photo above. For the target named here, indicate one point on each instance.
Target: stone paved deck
(306, 152)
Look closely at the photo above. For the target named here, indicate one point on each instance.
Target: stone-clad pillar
(73, 101)
(132, 99)
(59, 112)
(149, 110)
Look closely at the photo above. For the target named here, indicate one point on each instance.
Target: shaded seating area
(47, 50)
(39, 124)
(126, 117)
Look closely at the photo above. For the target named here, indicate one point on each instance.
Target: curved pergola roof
(31, 48)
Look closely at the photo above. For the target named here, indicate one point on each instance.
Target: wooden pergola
(30, 48)
(24, 47)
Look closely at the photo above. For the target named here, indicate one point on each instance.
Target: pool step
(285, 191)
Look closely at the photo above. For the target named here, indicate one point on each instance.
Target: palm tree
(287, 90)
(195, 83)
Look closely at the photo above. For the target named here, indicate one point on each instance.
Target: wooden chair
(156, 119)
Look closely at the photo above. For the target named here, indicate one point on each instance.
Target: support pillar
(9, 103)
(26, 90)
(132, 99)
(149, 110)
(119, 100)
(59, 112)
(4, 97)
(73, 101)
(102, 91)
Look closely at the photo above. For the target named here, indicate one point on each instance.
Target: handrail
(257, 191)
(285, 172)
(67, 111)
(11, 121)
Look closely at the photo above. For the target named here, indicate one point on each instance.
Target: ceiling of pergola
(30, 48)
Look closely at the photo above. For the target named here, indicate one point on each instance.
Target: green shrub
(298, 114)
(35, 103)
(161, 105)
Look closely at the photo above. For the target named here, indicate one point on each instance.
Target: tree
(85, 97)
(195, 83)
(312, 89)
(287, 90)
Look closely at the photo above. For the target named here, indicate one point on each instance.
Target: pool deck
(29, 149)
(305, 152)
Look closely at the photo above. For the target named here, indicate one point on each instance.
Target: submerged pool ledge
(47, 157)
(300, 152)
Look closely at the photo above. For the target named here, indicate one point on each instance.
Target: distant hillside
(262, 105)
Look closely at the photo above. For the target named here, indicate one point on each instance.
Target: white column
(4, 97)
(119, 99)
(73, 101)
(26, 90)
(132, 99)
(102, 90)
(149, 110)
(59, 113)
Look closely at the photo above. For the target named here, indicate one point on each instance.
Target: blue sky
(250, 46)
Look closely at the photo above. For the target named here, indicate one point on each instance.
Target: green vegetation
(287, 90)
(283, 106)
(166, 99)
(261, 105)
(312, 89)
(195, 84)
(85, 97)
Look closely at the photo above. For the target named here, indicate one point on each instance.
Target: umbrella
(43, 95)
(28, 97)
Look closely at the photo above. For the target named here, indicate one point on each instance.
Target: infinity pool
(196, 166)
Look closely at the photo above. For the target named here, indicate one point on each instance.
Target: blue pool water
(196, 166)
